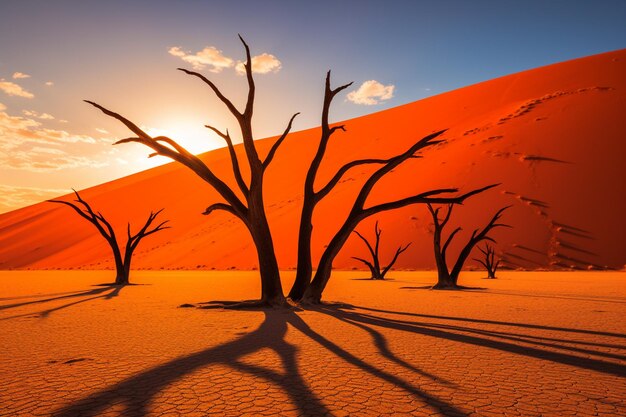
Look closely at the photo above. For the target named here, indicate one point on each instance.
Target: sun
(188, 132)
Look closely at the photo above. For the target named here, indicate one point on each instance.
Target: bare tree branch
(234, 160)
(276, 145)
(399, 251)
(122, 264)
(220, 206)
(366, 262)
(389, 166)
(477, 236)
(448, 241)
(367, 243)
(342, 171)
(185, 158)
(217, 92)
(374, 266)
(251, 88)
(427, 197)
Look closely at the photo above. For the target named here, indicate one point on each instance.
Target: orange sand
(553, 136)
(531, 344)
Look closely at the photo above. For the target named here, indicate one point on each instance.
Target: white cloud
(101, 130)
(49, 83)
(371, 92)
(18, 74)
(210, 56)
(261, 64)
(13, 89)
(33, 113)
(40, 159)
(25, 144)
(13, 197)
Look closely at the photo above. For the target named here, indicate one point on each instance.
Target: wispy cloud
(13, 197)
(210, 57)
(261, 64)
(371, 92)
(13, 89)
(101, 130)
(39, 159)
(33, 113)
(17, 75)
(49, 83)
(27, 145)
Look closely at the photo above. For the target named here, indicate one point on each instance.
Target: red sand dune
(553, 136)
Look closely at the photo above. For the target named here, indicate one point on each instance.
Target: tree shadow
(484, 290)
(499, 340)
(136, 393)
(24, 297)
(457, 288)
(484, 321)
(104, 291)
(562, 297)
(386, 279)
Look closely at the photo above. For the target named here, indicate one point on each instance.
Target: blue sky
(116, 52)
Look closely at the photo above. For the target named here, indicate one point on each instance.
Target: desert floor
(529, 344)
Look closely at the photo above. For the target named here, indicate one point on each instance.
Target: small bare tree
(447, 278)
(374, 265)
(122, 263)
(489, 260)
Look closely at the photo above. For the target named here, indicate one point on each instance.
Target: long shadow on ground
(136, 393)
(104, 291)
(499, 340)
(477, 290)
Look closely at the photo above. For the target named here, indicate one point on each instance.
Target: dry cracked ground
(526, 344)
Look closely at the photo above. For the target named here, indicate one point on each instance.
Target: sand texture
(553, 137)
(530, 344)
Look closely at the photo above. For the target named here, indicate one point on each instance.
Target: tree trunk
(445, 281)
(313, 293)
(304, 270)
(271, 287)
(121, 277)
(122, 272)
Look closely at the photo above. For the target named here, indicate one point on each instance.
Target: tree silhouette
(489, 260)
(251, 209)
(310, 290)
(374, 265)
(447, 278)
(122, 263)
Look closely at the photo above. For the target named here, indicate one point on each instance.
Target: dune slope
(553, 137)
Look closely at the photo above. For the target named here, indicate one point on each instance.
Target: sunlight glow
(192, 136)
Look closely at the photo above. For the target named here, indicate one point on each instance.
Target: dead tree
(446, 278)
(306, 288)
(122, 263)
(489, 260)
(374, 265)
(251, 209)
